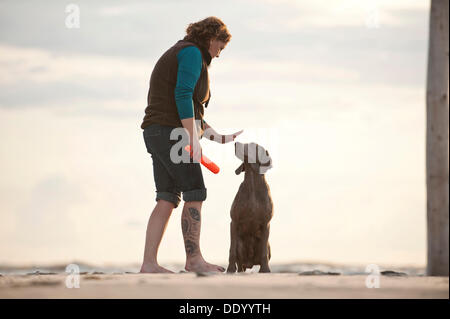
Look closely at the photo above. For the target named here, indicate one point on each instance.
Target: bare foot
(154, 268)
(202, 266)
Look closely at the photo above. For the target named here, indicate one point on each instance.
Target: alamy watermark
(73, 18)
(372, 20)
(73, 278)
(373, 280)
(253, 152)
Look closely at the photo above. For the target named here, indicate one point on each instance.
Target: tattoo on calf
(190, 225)
(191, 247)
(194, 213)
(184, 225)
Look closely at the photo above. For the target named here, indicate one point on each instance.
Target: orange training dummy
(206, 162)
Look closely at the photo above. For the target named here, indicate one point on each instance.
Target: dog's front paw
(264, 269)
(231, 269)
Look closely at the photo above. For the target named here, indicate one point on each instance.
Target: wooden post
(437, 141)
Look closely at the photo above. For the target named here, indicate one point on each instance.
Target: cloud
(34, 77)
(299, 14)
(141, 29)
(40, 65)
(96, 84)
(135, 29)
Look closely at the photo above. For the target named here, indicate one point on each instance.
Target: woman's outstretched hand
(230, 137)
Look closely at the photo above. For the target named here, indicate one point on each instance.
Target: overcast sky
(334, 90)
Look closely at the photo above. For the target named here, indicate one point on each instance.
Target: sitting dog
(251, 211)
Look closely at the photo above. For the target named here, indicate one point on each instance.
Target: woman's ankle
(150, 263)
(194, 260)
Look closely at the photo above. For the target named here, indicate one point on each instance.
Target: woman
(179, 86)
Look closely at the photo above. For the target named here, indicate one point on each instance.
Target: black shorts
(172, 178)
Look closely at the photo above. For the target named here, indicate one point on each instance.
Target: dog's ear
(240, 169)
(263, 161)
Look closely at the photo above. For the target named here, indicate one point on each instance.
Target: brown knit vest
(161, 106)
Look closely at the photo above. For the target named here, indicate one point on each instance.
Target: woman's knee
(196, 195)
(166, 204)
(168, 199)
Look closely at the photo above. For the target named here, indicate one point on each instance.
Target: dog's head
(254, 156)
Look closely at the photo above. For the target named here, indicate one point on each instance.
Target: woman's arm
(212, 135)
(189, 68)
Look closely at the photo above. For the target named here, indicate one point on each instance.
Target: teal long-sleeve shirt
(189, 68)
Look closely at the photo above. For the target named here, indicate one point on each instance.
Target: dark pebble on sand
(204, 274)
(45, 282)
(37, 272)
(92, 277)
(393, 273)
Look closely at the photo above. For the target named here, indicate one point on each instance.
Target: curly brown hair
(203, 31)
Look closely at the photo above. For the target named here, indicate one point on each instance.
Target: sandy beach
(211, 286)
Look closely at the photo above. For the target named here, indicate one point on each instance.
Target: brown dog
(251, 211)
